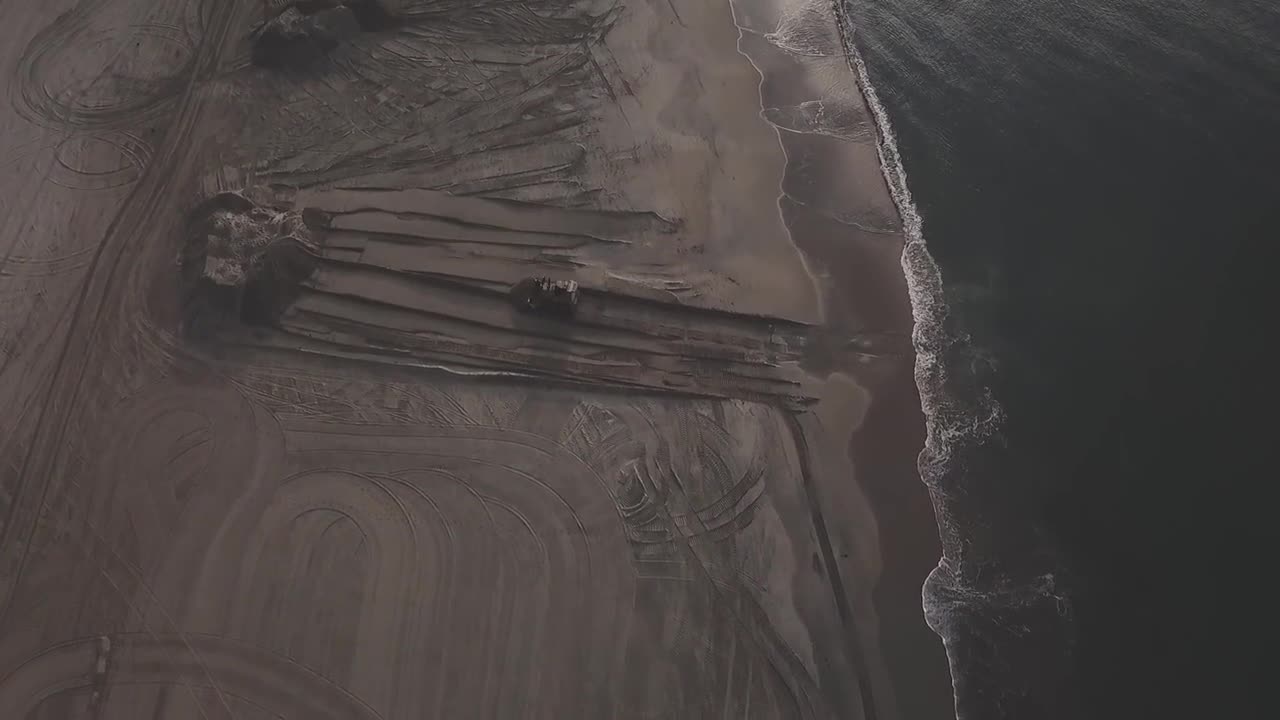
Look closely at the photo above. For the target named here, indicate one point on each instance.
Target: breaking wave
(960, 413)
(949, 418)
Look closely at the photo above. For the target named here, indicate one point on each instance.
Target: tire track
(133, 575)
(119, 497)
(450, 695)
(133, 152)
(69, 369)
(569, 521)
(283, 687)
(65, 108)
(392, 586)
(690, 537)
(521, 619)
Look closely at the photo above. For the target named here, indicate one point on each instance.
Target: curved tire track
(284, 687)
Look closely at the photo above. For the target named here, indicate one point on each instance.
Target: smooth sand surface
(402, 497)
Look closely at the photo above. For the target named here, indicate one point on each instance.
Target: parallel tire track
(92, 305)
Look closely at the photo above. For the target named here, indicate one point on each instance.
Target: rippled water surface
(1097, 181)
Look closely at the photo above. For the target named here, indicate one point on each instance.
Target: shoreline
(860, 291)
(928, 309)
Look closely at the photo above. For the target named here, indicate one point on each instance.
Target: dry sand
(402, 498)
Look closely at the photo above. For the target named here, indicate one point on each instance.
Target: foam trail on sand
(948, 418)
(953, 420)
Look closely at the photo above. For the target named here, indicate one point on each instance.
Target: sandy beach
(276, 440)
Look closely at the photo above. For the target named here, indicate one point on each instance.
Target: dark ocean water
(1099, 183)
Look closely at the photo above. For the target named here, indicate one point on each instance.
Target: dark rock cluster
(307, 30)
(243, 262)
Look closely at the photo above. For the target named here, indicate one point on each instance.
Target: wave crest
(979, 595)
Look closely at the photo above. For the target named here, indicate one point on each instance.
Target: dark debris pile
(243, 262)
(304, 32)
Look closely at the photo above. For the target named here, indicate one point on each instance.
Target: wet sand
(402, 497)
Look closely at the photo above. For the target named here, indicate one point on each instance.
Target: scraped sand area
(275, 442)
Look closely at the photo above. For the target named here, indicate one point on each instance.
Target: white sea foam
(950, 421)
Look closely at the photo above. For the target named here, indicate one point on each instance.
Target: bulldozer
(545, 296)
